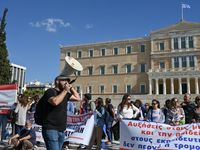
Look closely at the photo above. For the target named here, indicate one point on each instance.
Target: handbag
(12, 116)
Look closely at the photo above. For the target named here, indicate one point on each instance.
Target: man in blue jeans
(54, 124)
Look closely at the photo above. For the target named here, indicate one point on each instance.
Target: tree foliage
(5, 72)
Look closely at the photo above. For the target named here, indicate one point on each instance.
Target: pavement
(72, 146)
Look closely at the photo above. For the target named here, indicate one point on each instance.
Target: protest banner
(8, 96)
(79, 128)
(142, 135)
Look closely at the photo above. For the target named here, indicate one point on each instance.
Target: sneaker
(65, 146)
(108, 142)
(1, 143)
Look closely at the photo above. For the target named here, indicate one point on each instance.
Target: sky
(37, 28)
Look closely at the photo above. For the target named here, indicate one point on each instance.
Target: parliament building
(167, 62)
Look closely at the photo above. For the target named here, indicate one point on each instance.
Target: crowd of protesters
(172, 113)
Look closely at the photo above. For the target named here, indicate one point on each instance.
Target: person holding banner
(175, 115)
(156, 114)
(126, 109)
(195, 113)
(98, 128)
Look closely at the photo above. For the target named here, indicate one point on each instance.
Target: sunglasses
(129, 99)
(175, 101)
(146, 105)
(154, 103)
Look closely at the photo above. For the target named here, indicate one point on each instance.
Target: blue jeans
(3, 122)
(109, 130)
(18, 128)
(53, 139)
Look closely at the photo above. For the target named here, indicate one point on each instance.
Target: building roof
(178, 27)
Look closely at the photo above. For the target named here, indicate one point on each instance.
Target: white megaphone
(71, 66)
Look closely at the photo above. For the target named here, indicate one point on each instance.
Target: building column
(196, 85)
(164, 86)
(172, 85)
(172, 62)
(188, 85)
(194, 42)
(180, 62)
(12, 73)
(150, 86)
(180, 85)
(188, 61)
(172, 43)
(151, 63)
(156, 86)
(179, 43)
(195, 61)
(187, 43)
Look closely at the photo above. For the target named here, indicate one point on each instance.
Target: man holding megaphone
(54, 123)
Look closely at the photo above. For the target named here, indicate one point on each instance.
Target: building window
(78, 89)
(128, 50)
(162, 65)
(142, 67)
(183, 42)
(79, 53)
(102, 70)
(91, 53)
(191, 58)
(78, 73)
(175, 43)
(103, 52)
(115, 69)
(115, 51)
(176, 62)
(162, 46)
(190, 42)
(90, 70)
(142, 48)
(142, 88)
(69, 54)
(184, 64)
(128, 68)
(114, 88)
(128, 88)
(89, 89)
(101, 89)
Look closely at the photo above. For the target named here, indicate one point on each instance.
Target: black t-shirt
(109, 108)
(56, 117)
(30, 132)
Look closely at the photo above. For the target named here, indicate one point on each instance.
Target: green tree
(5, 72)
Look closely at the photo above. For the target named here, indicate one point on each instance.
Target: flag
(186, 6)
(8, 96)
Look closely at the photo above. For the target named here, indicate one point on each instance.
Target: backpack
(41, 109)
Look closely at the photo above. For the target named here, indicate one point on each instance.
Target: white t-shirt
(127, 112)
(21, 114)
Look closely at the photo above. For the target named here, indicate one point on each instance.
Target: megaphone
(71, 66)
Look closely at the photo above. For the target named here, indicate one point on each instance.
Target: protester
(54, 123)
(147, 105)
(76, 111)
(98, 128)
(21, 110)
(156, 114)
(175, 115)
(33, 106)
(88, 105)
(25, 139)
(166, 108)
(70, 110)
(187, 106)
(126, 109)
(142, 110)
(195, 113)
(110, 117)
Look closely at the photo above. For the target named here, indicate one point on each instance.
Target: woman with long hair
(156, 114)
(98, 128)
(175, 114)
(21, 110)
(195, 113)
(126, 109)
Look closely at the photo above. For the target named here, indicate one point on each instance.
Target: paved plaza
(72, 146)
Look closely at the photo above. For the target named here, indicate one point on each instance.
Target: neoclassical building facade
(167, 62)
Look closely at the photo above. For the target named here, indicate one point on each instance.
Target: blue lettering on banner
(128, 144)
(186, 146)
(148, 147)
